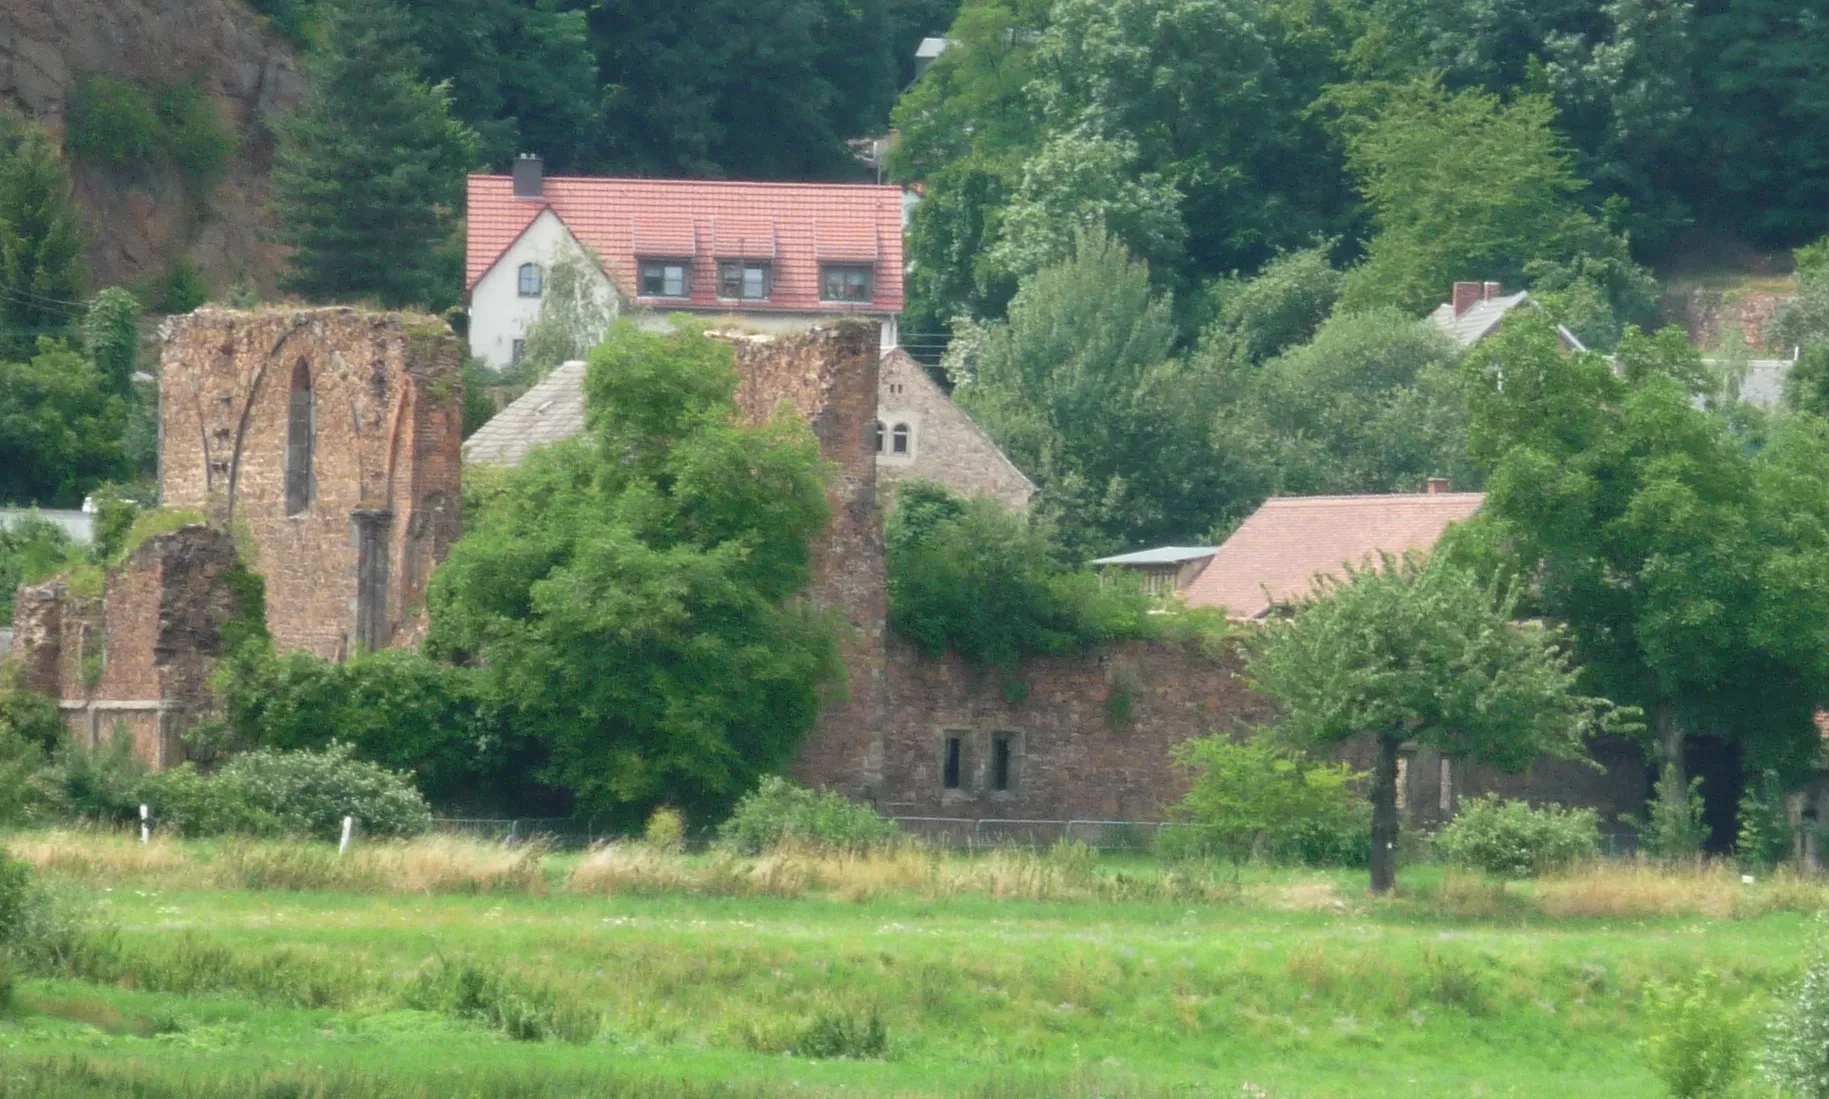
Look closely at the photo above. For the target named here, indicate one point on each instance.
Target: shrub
(182, 289)
(778, 812)
(470, 990)
(1696, 1044)
(666, 829)
(851, 1034)
(199, 141)
(306, 794)
(1512, 840)
(32, 549)
(1764, 840)
(103, 784)
(111, 122)
(1676, 828)
(1255, 796)
(1795, 1060)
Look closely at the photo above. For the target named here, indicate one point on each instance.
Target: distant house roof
(931, 48)
(1477, 310)
(79, 525)
(794, 227)
(1277, 554)
(1161, 555)
(550, 411)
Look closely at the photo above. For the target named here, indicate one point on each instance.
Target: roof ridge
(806, 184)
(1368, 497)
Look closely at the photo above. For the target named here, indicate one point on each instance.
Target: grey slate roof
(550, 411)
(1160, 555)
(1763, 385)
(1482, 319)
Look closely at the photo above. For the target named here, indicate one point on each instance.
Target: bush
(666, 829)
(199, 141)
(1256, 797)
(778, 812)
(858, 1035)
(469, 990)
(306, 794)
(1696, 1044)
(32, 549)
(1795, 1060)
(104, 784)
(112, 122)
(1510, 839)
(1677, 828)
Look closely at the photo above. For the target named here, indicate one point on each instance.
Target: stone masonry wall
(386, 420)
(944, 444)
(138, 659)
(828, 376)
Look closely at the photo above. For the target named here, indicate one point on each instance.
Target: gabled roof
(793, 226)
(1277, 554)
(1482, 319)
(550, 411)
(1161, 555)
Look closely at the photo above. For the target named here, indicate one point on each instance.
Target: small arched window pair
(530, 280)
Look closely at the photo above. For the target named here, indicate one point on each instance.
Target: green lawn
(1297, 986)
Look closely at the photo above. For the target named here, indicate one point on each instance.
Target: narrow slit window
(299, 441)
(899, 439)
(1000, 763)
(878, 431)
(949, 771)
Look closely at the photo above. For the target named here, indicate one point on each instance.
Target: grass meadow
(442, 968)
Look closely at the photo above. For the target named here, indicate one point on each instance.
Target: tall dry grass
(1647, 890)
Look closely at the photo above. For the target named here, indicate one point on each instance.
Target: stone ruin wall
(386, 393)
(828, 376)
(139, 657)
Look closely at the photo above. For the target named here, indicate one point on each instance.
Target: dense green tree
(629, 597)
(370, 170)
(1373, 404)
(1425, 655)
(522, 76)
(1690, 571)
(969, 577)
(1080, 390)
(1281, 307)
(1803, 323)
(42, 276)
(31, 549)
(111, 335)
(60, 428)
(732, 88)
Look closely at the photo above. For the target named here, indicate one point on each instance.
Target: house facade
(769, 257)
(921, 435)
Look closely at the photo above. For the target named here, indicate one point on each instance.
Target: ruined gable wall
(828, 376)
(139, 657)
(387, 432)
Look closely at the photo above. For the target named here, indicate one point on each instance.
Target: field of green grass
(469, 971)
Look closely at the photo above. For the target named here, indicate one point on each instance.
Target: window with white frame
(845, 283)
(901, 440)
(530, 280)
(744, 280)
(666, 278)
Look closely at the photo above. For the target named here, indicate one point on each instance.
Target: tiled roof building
(1276, 556)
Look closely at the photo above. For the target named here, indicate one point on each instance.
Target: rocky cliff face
(143, 218)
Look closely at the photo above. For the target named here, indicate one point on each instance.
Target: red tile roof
(1275, 556)
(795, 226)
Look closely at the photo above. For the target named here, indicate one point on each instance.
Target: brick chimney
(529, 171)
(1494, 291)
(1466, 295)
(1437, 486)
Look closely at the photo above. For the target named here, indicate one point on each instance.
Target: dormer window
(531, 282)
(846, 283)
(666, 278)
(744, 280)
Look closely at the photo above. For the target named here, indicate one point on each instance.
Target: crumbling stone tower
(329, 439)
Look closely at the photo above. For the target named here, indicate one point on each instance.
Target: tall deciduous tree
(369, 175)
(1427, 655)
(1692, 573)
(111, 335)
(629, 597)
(60, 428)
(1080, 389)
(42, 276)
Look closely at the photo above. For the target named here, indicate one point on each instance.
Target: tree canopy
(628, 597)
(1423, 654)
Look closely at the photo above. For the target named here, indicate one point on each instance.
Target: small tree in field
(1408, 653)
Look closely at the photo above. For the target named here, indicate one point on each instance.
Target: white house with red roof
(772, 256)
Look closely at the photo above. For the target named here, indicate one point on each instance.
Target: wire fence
(959, 833)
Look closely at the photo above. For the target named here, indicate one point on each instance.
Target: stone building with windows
(921, 434)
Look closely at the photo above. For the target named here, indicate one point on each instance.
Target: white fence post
(145, 824)
(349, 834)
